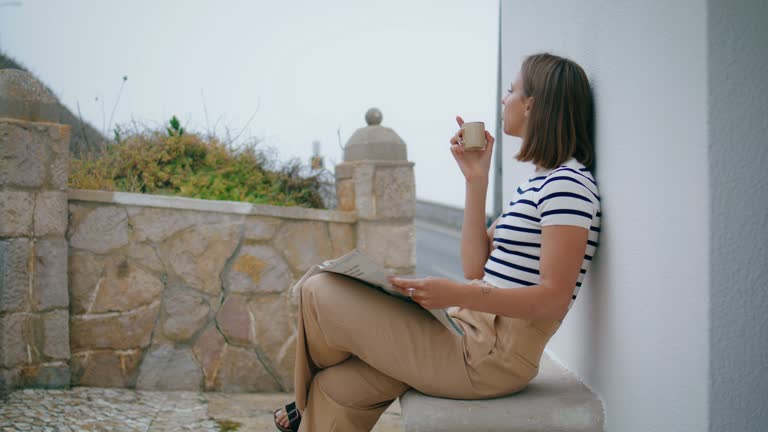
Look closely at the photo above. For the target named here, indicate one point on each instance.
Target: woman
(359, 349)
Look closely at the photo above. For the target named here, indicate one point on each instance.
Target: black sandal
(294, 418)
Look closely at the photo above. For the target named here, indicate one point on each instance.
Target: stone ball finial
(375, 142)
(23, 97)
(373, 117)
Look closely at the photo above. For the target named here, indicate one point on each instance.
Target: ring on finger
(411, 291)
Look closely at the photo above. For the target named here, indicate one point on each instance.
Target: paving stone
(99, 409)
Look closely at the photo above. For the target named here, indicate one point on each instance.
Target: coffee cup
(471, 136)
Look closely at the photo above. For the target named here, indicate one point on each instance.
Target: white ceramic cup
(471, 135)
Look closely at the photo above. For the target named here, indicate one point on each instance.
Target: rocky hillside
(85, 138)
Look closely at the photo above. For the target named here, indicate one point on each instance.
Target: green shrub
(177, 162)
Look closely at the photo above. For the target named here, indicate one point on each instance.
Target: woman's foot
(281, 418)
(287, 419)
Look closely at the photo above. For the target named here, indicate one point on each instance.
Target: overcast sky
(302, 69)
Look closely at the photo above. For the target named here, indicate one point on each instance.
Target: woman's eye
(510, 90)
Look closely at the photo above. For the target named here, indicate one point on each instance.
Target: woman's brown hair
(560, 123)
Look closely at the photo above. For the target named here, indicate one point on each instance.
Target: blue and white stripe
(566, 195)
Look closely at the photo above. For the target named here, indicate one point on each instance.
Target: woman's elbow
(473, 274)
(556, 307)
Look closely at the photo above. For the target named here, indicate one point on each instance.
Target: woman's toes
(282, 418)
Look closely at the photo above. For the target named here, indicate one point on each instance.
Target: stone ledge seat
(554, 401)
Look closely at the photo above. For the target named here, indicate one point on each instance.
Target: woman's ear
(528, 105)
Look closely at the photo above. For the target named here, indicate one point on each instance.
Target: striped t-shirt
(566, 195)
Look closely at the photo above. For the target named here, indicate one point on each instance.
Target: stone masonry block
(185, 312)
(49, 286)
(54, 342)
(14, 274)
(123, 286)
(257, 269)
(169, 368)
(22, 154)
(114, 331)
(59, 137)
(343, 238)
(50, 375)
(259, 228)
(344, 171)
(13, 346)
(392, 245)
(234, 320)
(16, 211)
(85, 271)
(271, 324)
(101, 230)
(50, 213)
(208, 349)
(345, 195)
(304, 244)
(9, 380)
(158, 224)
(198, 254)
(365, 201)
(242, 371)
(105, 368)
(394, 190)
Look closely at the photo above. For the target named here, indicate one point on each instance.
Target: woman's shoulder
(569, 178)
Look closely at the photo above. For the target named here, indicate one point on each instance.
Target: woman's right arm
(475, 165)
(474, 238)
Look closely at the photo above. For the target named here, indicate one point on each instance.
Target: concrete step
(554, 401)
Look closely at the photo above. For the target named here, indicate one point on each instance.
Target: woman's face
(516, 109)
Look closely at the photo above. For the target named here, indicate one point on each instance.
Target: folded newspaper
(359, 266)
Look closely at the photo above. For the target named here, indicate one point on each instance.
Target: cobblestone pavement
(97, 409)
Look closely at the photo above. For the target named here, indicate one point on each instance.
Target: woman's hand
(474, 164)
(429, 292)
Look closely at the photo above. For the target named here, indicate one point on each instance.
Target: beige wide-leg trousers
(358, 349)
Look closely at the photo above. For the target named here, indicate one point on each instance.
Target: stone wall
(34, 338)
(174, 293)
(117, 289)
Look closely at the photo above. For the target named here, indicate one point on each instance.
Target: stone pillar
(34, 300)
(377, 181)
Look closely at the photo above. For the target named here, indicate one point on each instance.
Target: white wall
(738, 149)
(638, 334)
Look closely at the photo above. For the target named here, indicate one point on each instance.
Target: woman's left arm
(562, 253)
